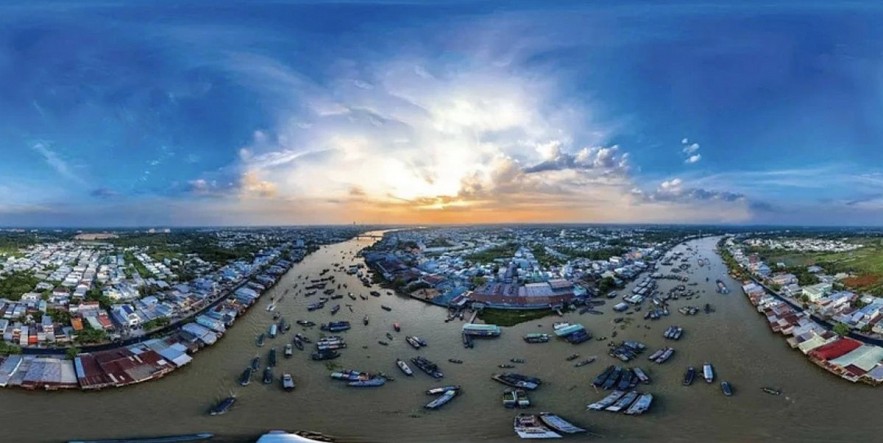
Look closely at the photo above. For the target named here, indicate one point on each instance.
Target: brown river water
(815, 406)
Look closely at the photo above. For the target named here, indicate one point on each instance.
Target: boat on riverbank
(529, 427)
(559, 424)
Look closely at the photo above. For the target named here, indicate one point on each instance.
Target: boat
(727, 388)
(325, 354)
(442, 389)
(363, 297)
(271, 307)
(572, 357)
(351, 296)
(245, 378)
(287, 382)
(273, 330)
(606, 401)
(528, 427)
(397, 327)
(689, 376)
(510, 398)
(641, 405)
(517, 380)
(413, 342)
(375, 293)
(306, 323)
(223, 406)
(517, 360)
(506, 366)
(771, 391)
(315, 306)
(642, 376)
(535, 337)
(456, 361)
(268, 375)
(289, 351)
(521, 398)
(260, 340)
(623, 403)
(365, 321)
(334, 309)
(298, 343)
(404, 367)
(613, 380)
(389, 336)
(559, 424)
(582, 363)
(382, 343)
(373, 382)
(255, 363)
(442, 400)
(602, 377)
(427, 366)
(708, 372)
(271, 358)
(181, 438)
(385, 308)
(302, 338)
(335, 326)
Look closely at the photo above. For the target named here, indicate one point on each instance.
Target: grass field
(507, 317)
(866, 264)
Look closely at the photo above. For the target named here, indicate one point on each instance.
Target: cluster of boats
(662, 355)
(515, 380)
(358, 379)
(515, 398)
(416, 342)
(627, 402)
(330, 343)
(445, 394)
(673, 333)
(543, 426)
(620, 378)
(627, 350)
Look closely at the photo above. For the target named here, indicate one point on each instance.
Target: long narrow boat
(642, 376)
(689, 376)
(623, 402)
(183, 438)
(606, 401)
(641, 405)
(442, 400)
(708, 372)
(559, 424)
(370, 383)
(442, 389)
(528, 427)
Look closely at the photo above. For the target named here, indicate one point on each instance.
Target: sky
(145, 113)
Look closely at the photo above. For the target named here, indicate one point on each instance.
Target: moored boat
(771, 391)
(245, 378)
(268, 375)
(287, 382)
(455, 361)
(727, 388)
(260, 340)
(641, 405)
(255, 363)
(442, 389)
(427, 366)
(528, 427)
(689, 376)
(289, 351)
(397, 327)
(370, 383)
(606, 401)
(271, 358)
(559, 424)
(708, 372)
(385, 308)
(623, 402)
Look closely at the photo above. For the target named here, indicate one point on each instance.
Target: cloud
(690, 152)
(56, 162)
(691, 148)
(104, 193)
(675, 190)
(693, 159)
(250, 185)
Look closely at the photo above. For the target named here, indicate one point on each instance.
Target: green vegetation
(14, 285)
(156, 323)
(439, 242)
(841, 329)
(605, 285)
(60, 316)
(96, 294)
(543, 257)
(732, 264)
(595, 254)
(172, 245)
(89, 335)
(512, 317)
(72, 352)
(865, 264)
(506, 250)
(9, 348)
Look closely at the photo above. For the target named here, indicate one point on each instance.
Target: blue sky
(177, 113)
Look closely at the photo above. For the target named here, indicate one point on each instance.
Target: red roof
(834, 349)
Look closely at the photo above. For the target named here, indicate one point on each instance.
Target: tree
(841, 329)
(72, 352)
(606, 285)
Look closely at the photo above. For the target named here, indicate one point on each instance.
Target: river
(815, 406)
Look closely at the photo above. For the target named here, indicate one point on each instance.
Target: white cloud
(691, 148)
(693, 159)
(56, 162)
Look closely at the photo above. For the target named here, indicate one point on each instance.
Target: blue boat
(223, 406)
(370, 383)
(442, 400)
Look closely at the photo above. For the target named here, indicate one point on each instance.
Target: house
(815, 292)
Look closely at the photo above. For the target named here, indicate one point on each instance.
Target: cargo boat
(335, 326)
(223, 406)
(642, 376)
(602, 377)
(536, 337)
(559, 424)
(289, 351)
(327, 354)
(517, 380)
(370, 383)
(442, 400)
(273, 330)
(271, 358)
(183, 438)
(427, 366)
(515, 398)
(528, 427)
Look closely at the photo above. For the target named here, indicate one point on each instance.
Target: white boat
(641, 405)
(708, 372)
(404, 367)
(559, 424)
(529, 427)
